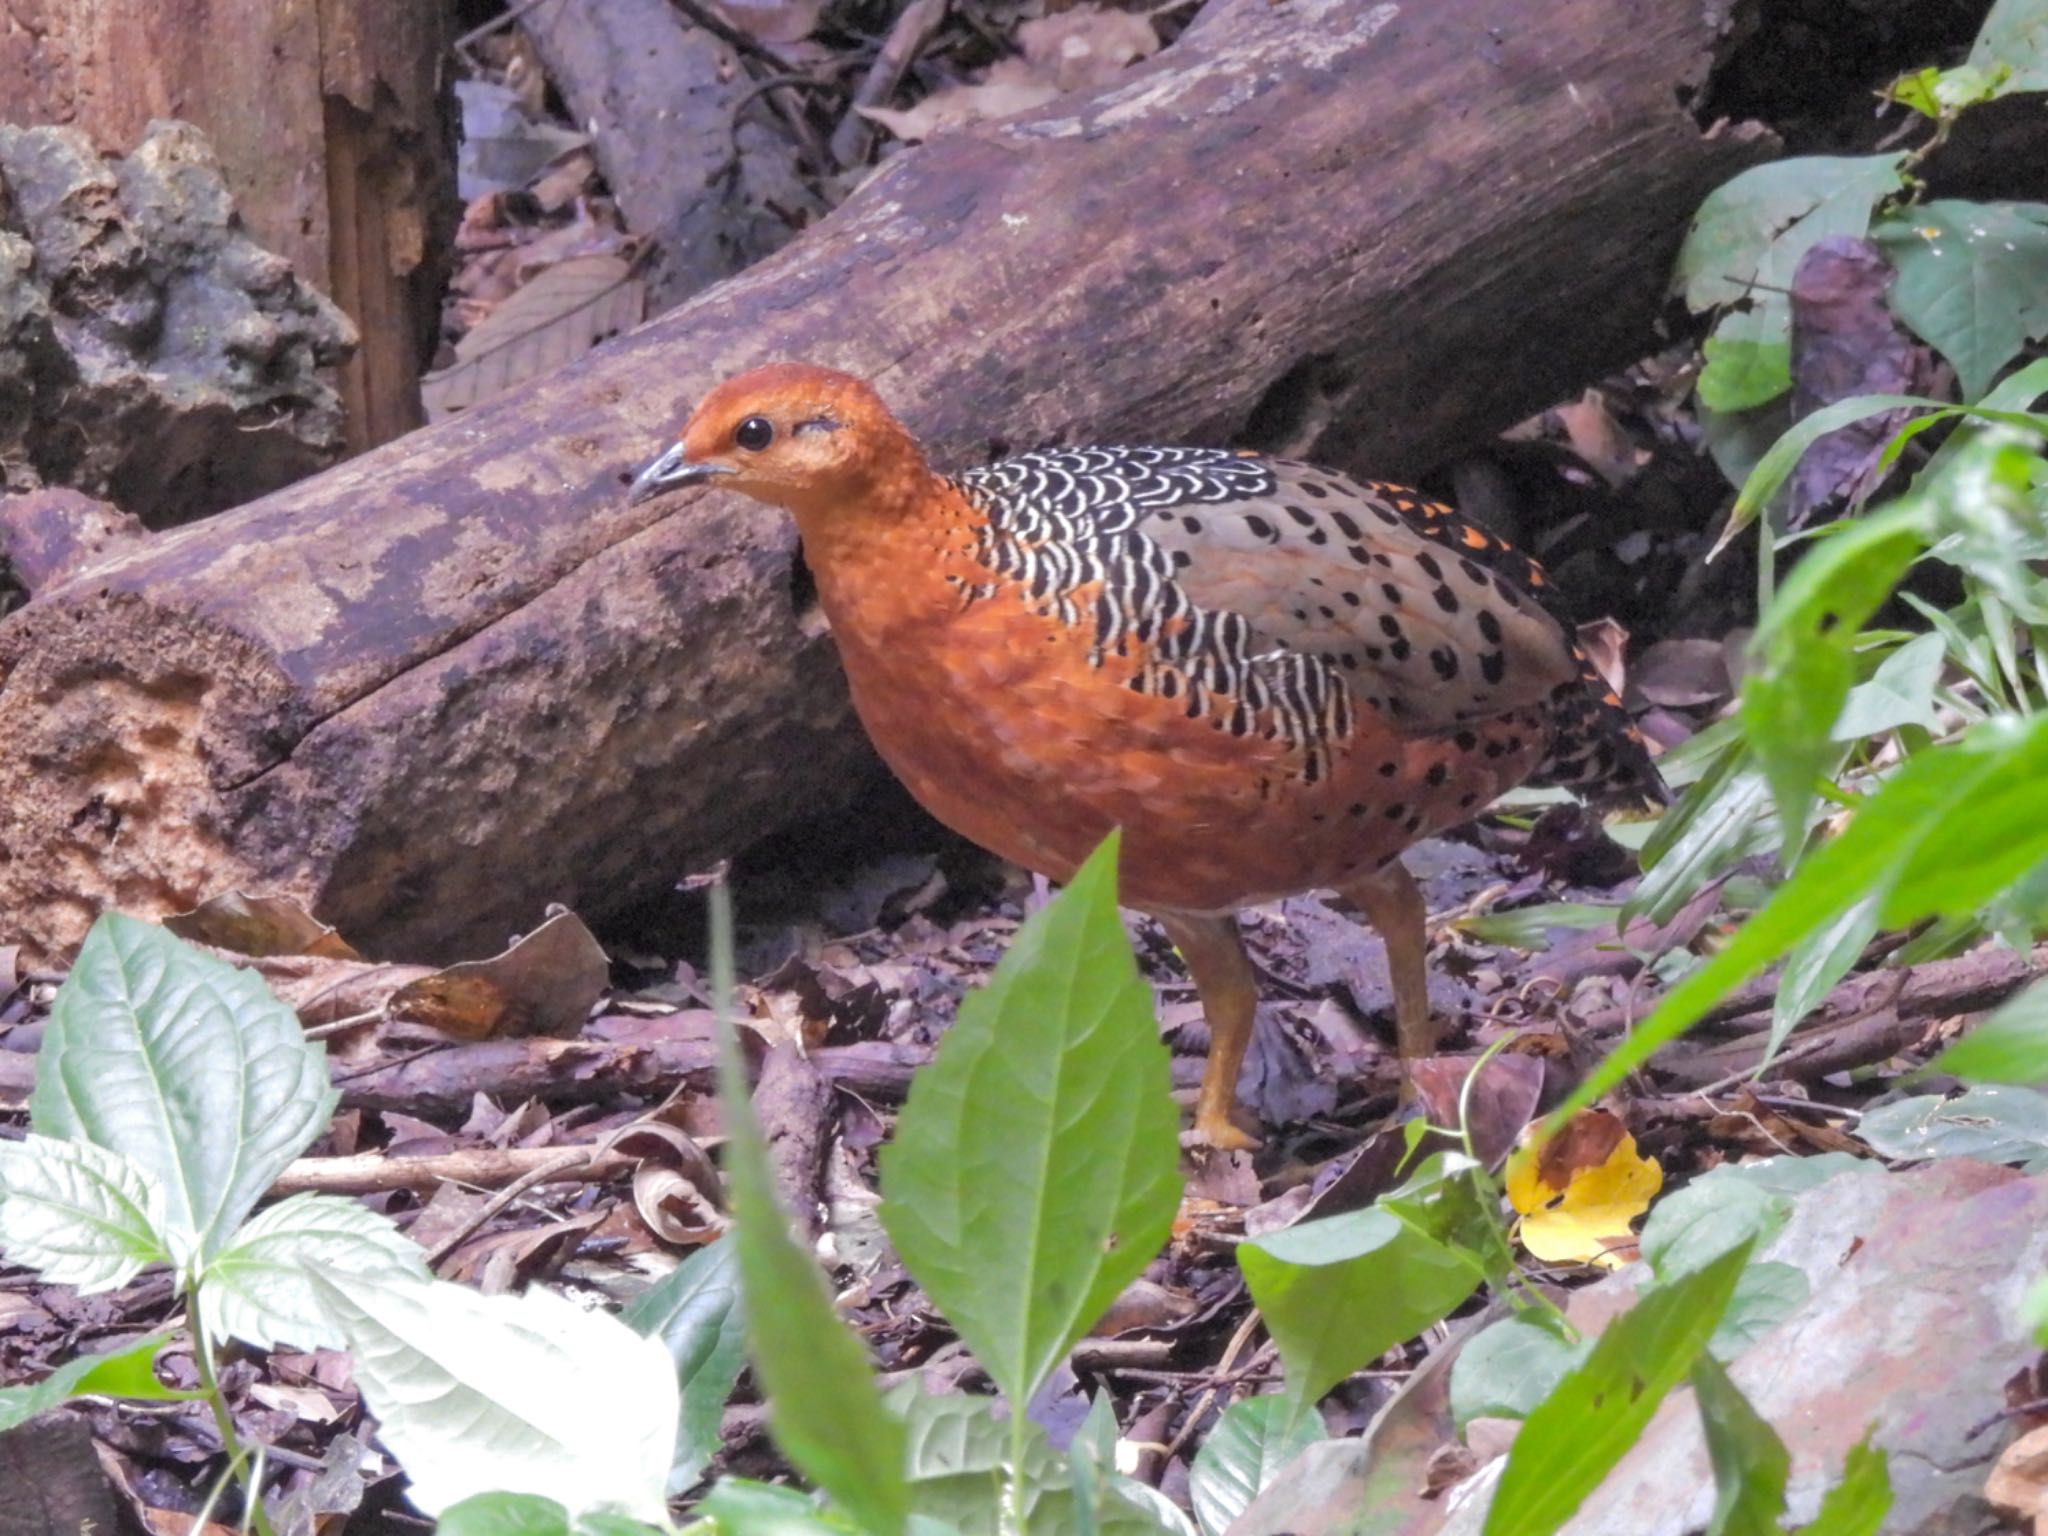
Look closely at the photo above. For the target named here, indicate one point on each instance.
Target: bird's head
(789, 434)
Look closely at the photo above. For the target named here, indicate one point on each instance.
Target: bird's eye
(755, 433)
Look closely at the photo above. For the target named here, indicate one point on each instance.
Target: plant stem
(224, 1421)
(1013, 1494)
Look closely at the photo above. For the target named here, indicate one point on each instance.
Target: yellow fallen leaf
(1577, 1209)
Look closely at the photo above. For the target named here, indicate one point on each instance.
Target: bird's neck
(882, 560)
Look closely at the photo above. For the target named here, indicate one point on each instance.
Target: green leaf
(1723, 819)
(125, 1373)
(960, 1460)
(2009, 1047)
(1813, 967)
(1743, 247)
(738, 1506)
(1531, 927)
(2015, 37)
(1034, 1172)
(1803, 655)
(1972, 283)
(1899, 693)
(1506, 1371)
(257, 1290)
(1765, 1296)
(1751, 1464)
(1249, 1447)
(503, 1514)
(1974, 801)
(697, 1313)
(823, 1407)
(1597, 1412)
(1337, 1292)
(187, 1066)
(78, 1214)
(1776, 466)
(1742, 374)
(517, 1394)
(1857, 1505)
(1994, 1124)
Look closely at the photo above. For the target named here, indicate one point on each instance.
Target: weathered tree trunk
(446, 682)
(661, 98)
(328, 120)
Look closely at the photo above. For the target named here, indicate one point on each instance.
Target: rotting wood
(328, 118)
(448, 682)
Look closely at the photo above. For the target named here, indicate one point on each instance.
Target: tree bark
(447, 682)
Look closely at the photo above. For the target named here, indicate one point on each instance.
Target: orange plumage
(1272, 678)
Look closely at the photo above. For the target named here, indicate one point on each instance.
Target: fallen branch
(456, 679)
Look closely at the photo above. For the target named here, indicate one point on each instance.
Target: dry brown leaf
(1080, 49)
(676, 1188)
(1086, 46)
(1606, 646)
(551, 321)
(1598, 439)
(773, 21)
(2018, 1485)
(258, 926)
(546, 984)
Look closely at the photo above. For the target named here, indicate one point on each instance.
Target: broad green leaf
(186, 1065)
(78, 1214)
(503, 1514)
(960, 1458)
(1964, 794)
(1250, 1445)
(1337, 1292)
(1599, 1410)
(2014, 37)
(738, 1506)
(1510, 1368)
(1813, 967)
(1803, 655)
(823, 1407)
(514, 1394)
(1751, 1464)
(256, 1290)
(1742, 373)
(1764, 1297)
(1857, 1505)
(1744, 245)
(2009, 1047)
(1899, 693)
(1973, 281)
(1994, 1124)
(1034, 1172)
(125, 1373)
(697, 1313)
(1939, 93)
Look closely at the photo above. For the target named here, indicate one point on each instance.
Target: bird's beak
(672, 471)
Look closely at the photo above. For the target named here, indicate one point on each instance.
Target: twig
(570, 1158)
(1238, 1340)
(479, 1167)
(906, 39)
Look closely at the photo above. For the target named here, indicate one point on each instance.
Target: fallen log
(452, 680)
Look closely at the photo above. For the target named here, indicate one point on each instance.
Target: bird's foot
(1219, 1133)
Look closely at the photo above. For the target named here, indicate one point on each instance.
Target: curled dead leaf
(545, 984)
(676, 1188)
(1580, 1191)
(259, 926)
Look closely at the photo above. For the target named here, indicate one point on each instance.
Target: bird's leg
(1392, 903)
(1214, 951)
